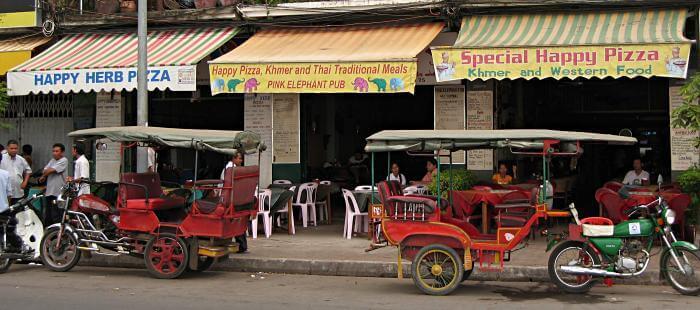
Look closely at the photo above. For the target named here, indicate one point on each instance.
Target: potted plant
(107, 6)
(203, 4)
(689, 181)
(128, 6)
(462, 179)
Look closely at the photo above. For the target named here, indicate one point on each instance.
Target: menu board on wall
(683, 153)
(449, 114)
(257, 117)
(108, 113)
(480, 116)
(426, 69)
(285, 125)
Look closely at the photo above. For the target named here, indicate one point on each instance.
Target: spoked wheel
(5, 265)
(59, 255)
(437, 270)
(572, 253)
(686, 278)
(166, 256)
(203, 264)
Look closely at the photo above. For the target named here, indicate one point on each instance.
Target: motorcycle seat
(590, 230)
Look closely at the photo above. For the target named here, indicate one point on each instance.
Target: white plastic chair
(281, 182)
(305, 200)
(363, 188)
(264, 201)
(351, 212)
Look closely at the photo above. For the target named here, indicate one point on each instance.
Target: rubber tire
(454, 256)
(5, 265)
(203, 265)
(74, 261)
(552, 272)
(467, 273)
(664, 258)
(151, 268)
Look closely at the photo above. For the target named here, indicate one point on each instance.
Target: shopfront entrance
(337, 126)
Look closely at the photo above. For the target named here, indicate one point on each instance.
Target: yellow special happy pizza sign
(664, 60)
(365, 77)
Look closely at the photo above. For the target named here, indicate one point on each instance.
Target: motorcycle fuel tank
(609, 246)
(634, 228)
(91, 205)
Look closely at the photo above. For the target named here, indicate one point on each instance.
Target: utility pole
(141, 81)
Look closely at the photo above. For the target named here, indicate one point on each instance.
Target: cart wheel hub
(436, 270)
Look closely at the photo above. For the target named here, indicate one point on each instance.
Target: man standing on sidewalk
(53, 175)
(82, 168)
(17, 168)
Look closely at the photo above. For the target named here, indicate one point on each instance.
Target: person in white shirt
(152, 166)
(18, 169)
(81, 169)
(5, 194)
(396, 175)
(236, 161)
(637, 176)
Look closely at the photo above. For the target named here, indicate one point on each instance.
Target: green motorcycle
(596, 249)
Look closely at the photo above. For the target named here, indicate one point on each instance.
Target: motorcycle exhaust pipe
(583, 271)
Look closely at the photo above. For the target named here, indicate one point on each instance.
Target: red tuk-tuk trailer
(444, 249)
(173, 230)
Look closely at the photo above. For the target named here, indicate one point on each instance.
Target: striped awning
(564, 29)
(325, 59)
(107, 61)
(567, 45)
(17, 50)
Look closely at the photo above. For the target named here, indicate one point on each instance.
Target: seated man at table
(431, 171)
(637, 176)
(357, 164)
(502, 177)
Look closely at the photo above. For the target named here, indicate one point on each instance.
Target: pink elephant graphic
(251, 85)
(360, 84)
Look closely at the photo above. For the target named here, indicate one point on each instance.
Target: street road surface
(33, 287)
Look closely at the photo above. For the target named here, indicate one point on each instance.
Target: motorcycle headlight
(670, 216)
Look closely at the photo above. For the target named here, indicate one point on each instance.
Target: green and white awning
(107, 61)
(565, 29)
(567, 44)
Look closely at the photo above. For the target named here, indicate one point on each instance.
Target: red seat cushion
(132, 190)
(210, 207)
(164, 203)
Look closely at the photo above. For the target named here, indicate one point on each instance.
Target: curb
(357, 269)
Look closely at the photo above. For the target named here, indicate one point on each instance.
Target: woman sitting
(396, 175)
(502, 177)
(431, 171)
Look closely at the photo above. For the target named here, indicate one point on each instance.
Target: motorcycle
(88, 225)
(28, 227)
(598, 249)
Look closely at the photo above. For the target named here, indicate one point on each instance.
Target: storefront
(610, 72)
(97, 71)
(316, 93)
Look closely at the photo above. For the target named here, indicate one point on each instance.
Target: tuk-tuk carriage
(443, 248)
(174, 230)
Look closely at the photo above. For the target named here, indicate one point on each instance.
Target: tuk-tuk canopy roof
(452, 140)
(221, 141)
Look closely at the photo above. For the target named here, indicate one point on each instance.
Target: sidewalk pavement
(322, 250)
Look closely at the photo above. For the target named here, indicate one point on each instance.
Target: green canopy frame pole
(439, 192)
(388, 166)
(372, 180)
(450, 188)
